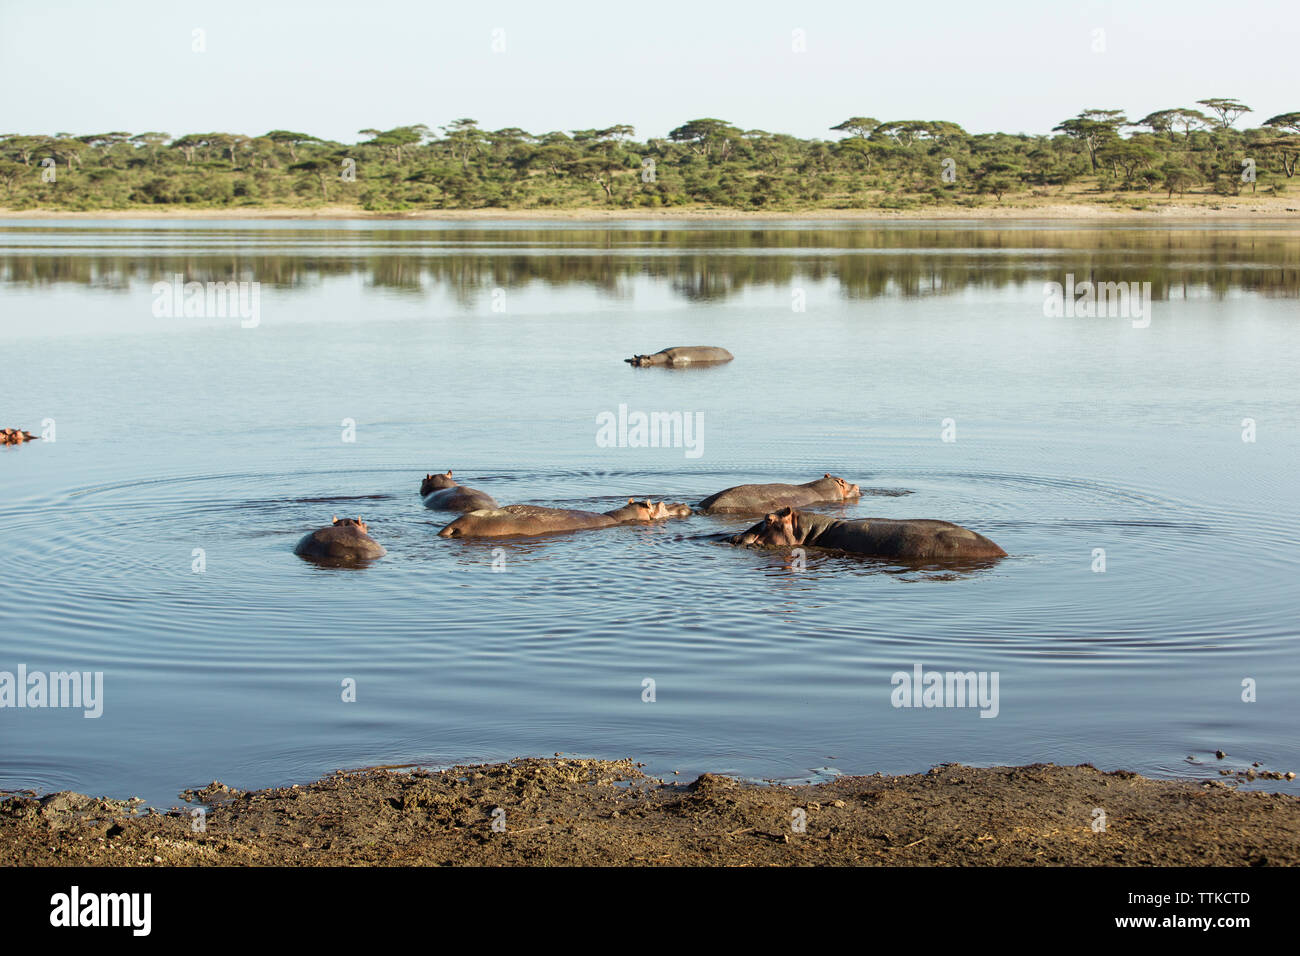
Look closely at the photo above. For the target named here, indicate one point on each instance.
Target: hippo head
(351, 522)
(638, 360)
(437, 482)
(846, 490)
(778, 529)
(645, 510)
(676, 510)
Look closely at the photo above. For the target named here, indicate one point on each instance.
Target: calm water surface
(492, 348)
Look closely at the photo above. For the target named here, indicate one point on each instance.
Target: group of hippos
(784, 525)
(15, 436)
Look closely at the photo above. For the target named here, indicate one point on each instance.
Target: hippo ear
(335, 519)
(827, 475)
(631, 501)
(448, 472)
(428, 476)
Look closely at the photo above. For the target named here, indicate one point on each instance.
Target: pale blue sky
(331, 68)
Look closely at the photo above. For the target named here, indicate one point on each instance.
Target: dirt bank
(592, 812)
(1198, 208)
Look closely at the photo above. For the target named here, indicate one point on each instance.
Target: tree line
(704, 162)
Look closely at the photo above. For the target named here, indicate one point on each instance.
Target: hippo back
(523, 520)
(345, 543)
(752, 499)
(913, 539)
(696, 355)
(460, 498)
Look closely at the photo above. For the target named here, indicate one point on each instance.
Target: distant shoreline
(1264, 209)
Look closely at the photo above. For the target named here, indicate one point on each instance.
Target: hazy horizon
(332, 69)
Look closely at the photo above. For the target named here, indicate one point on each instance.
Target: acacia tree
(997, 177)
(1190, 121)
(10, 173)
(290, 139)
(1287, 146)
(1228, 110)
(1128, 155)
(1094, 128)
(858, 126)
(705, 136)
(151, 141)
(1178, 177)
(1161, 121)
(322, 168)
(399, 138)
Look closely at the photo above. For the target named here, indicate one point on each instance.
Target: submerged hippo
(442, 493)
(915, 539)
(534, 519)
(15, 436)
(756, 499)
(344, 540)
(683, 355)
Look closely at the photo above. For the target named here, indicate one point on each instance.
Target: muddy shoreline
(562, 811)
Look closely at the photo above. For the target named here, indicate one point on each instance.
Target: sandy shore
(591, 812)
(1262, 208)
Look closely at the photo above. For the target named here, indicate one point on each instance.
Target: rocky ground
(593, 812)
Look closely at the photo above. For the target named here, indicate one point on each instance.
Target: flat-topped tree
(1189, 120)
(1094, 128)
(907, 132)
(1127, 155)
(322, 168)
(1286, 121)
(151, 141)
(465, 139)
(1161, 121)
(24, 147)
(400, 137)
(290, 139)
(1228, 110)
(998, 177)
(707, 136)
(858, 126)
(1287, 146)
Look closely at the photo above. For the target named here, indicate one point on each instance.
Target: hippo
(15, 436)
(534, 519)
(346, 540)
(442, 493)
(915, 539)
(683, 355)
(757, 499)
(640, 512)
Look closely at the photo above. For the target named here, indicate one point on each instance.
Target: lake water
(492, 348)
